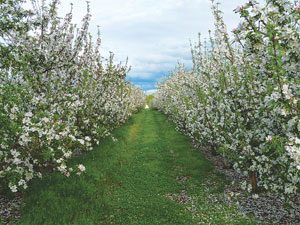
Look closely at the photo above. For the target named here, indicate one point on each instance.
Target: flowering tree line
(58, 95)
(241, 98)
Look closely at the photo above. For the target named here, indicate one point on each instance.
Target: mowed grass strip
(151, 175)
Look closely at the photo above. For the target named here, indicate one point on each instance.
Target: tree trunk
(253, 179)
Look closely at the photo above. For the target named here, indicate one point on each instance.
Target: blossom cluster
(58, 95)
(242, 97)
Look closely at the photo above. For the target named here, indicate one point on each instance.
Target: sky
(153, 34)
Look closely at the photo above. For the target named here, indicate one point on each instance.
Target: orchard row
(58, 95)
(242, 97)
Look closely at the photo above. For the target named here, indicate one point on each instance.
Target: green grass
(129, 181)
(149, 99)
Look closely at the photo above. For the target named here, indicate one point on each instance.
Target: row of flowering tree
(242, 97)
(58, 95)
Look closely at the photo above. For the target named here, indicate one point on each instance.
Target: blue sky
(153, 34)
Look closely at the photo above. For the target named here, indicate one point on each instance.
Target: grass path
(151, 175)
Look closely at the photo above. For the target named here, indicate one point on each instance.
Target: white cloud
(153, 34)
(151, 92)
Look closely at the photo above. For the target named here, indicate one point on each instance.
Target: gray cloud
(153, 34)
